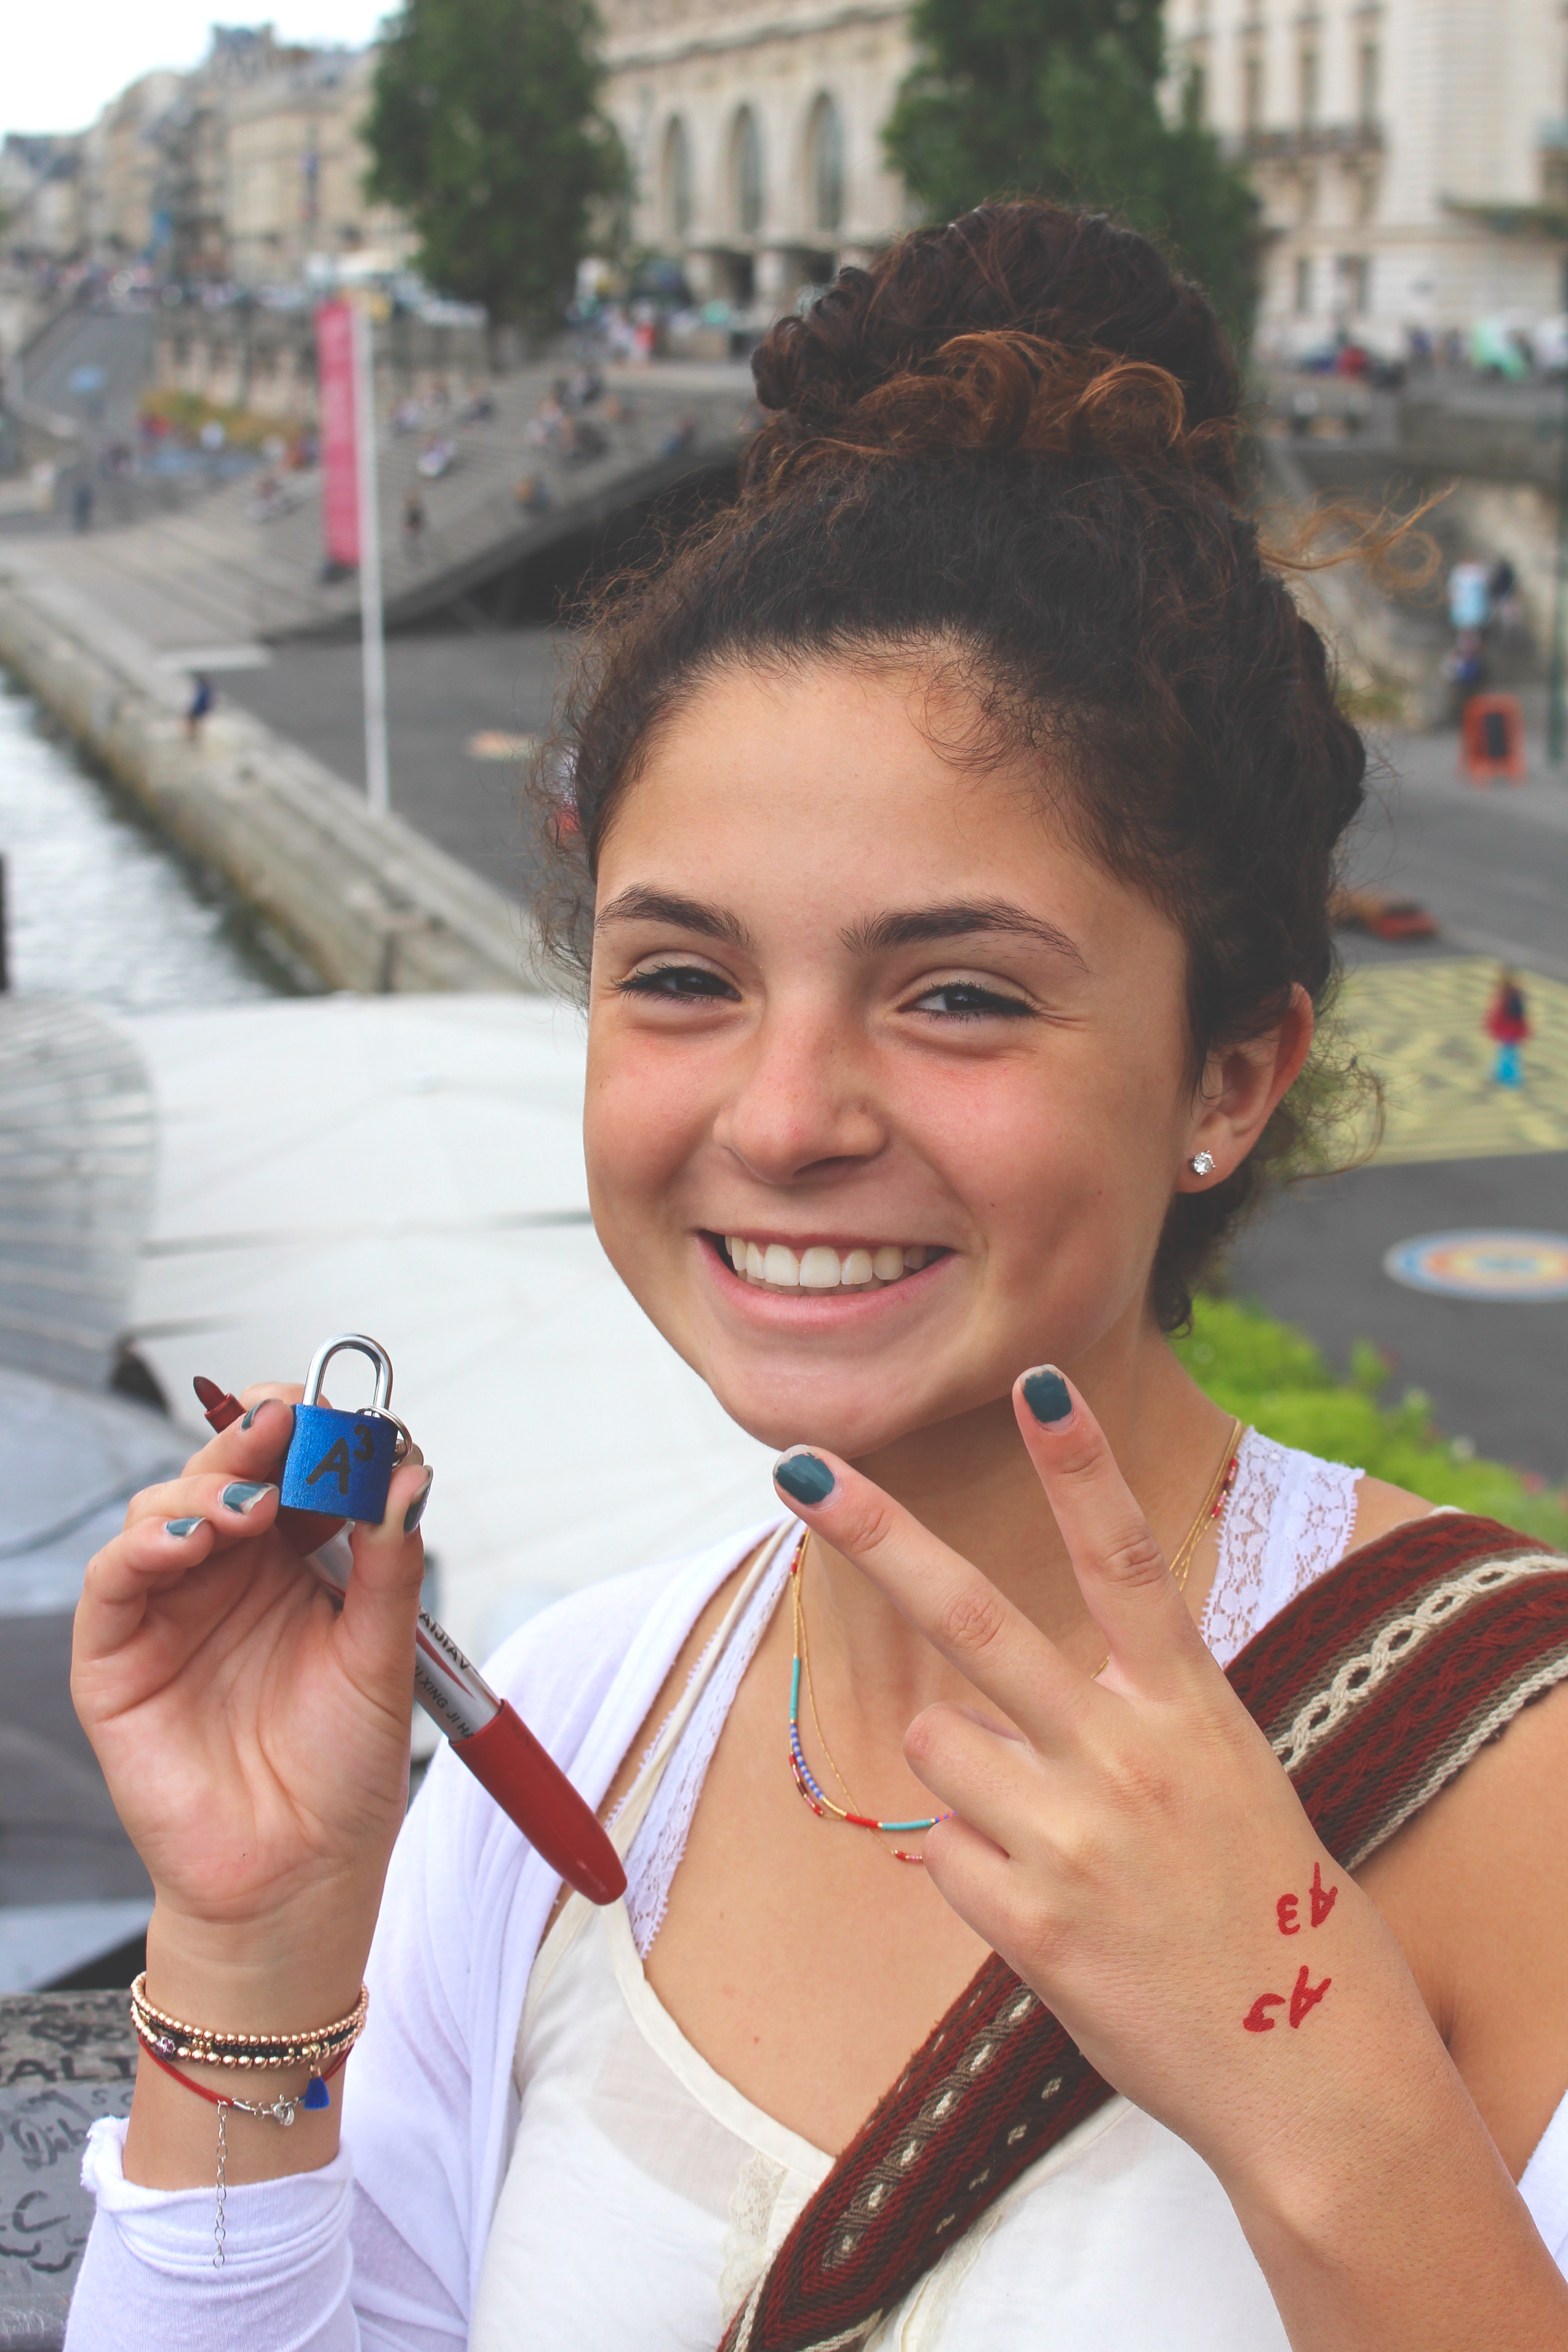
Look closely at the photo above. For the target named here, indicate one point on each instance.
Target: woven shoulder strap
(1375, 1686)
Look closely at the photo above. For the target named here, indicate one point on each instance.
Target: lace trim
(1289, 1519)
(660, 1840)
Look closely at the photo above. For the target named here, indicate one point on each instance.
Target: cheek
(1079, 1131)
(641, 1121)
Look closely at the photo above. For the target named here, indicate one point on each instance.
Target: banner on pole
(339, 440)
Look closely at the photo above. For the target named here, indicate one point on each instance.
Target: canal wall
(369, 904)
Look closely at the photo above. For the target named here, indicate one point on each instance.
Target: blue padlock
(340, 1462)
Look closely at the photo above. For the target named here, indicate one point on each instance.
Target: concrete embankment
(367, 902)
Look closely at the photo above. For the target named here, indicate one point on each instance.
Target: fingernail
(182, 1528)
(1047, 1396)
(255, 1409)
(244, 1494)
(415, 1510)
(804, 1478)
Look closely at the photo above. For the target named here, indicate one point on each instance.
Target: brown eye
(678, 979)
(967, 1000)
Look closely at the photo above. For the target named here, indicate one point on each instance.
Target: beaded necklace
(811, 1789)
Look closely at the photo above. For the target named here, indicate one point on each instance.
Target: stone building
(296, 166)
(1409, 152)
(755, 131)
(41, 195)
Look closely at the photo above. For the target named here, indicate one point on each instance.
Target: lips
(823, 1266)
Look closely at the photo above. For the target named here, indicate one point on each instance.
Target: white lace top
(645, 2194)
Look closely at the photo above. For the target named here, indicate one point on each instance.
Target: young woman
(949, 850)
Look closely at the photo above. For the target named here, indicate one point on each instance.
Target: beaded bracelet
(279, 2111)
(170, 2037)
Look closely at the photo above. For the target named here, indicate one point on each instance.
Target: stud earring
(1201, 1163)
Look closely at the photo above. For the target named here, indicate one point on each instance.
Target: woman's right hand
(254, 1738)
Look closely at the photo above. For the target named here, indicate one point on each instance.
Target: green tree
(485, 130)
(1062, 99)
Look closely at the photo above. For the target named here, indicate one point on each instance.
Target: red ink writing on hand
(1286, 1908)
(1255, 2021)
(1322, 1904)
(1306, 1996)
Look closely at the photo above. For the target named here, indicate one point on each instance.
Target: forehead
(841, 788)
(826, 751)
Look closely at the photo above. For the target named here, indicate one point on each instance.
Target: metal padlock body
(342, 1461)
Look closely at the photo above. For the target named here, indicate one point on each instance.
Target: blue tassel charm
(316, 2094)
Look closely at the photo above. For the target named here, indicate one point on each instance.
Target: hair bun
(1021, 329)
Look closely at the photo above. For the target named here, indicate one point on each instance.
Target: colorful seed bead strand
(811, 1790)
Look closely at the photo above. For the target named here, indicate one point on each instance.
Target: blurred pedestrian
(414, 525)
(81, 503)
(1470, 603)
(201, 703)
(1507, 1024)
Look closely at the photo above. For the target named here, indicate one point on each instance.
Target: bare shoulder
(1380, 1507)
(1475, 1890)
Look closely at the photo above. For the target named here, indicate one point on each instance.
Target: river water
(98, 905)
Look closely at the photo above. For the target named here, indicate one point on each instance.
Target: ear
(1239, 1089)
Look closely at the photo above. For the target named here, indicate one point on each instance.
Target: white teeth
(780, 1266)
(821, 1268)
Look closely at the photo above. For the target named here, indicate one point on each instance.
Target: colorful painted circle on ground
(1491, 1265)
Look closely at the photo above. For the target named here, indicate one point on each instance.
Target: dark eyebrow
(642, 906)
(916, 925)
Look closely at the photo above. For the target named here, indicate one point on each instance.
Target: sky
(59, 65)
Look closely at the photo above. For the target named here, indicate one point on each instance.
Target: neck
(970, 1482)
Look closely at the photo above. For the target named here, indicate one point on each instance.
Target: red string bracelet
(280, 2110)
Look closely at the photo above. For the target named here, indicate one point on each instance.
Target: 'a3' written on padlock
(342, 1461)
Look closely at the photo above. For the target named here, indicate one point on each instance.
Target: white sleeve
(1544, 2186)
(370, 2252)
(148, 2275)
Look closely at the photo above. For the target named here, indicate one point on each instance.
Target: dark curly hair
(1010, 447)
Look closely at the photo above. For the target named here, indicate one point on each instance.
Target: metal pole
(377, 778)
(1556, 717)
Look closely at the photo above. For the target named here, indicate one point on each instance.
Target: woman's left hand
(1129, 1844)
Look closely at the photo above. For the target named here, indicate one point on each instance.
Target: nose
(803, 1104)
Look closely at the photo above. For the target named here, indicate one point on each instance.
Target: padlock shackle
(357, 1340)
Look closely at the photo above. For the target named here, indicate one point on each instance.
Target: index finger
(978, 1629)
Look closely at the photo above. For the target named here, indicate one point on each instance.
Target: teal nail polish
(804, 1478)
(244, 1494)
(415, 1511)
(255, 1409)
(1047, 1396)
(182, 1528)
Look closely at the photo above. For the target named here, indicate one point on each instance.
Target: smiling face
(889, 1087)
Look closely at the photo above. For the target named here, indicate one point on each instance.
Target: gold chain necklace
(1213, 1502)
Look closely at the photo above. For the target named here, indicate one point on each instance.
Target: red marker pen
(220, 1408)
(492, 1739)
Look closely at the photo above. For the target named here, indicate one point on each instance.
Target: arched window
(676, 179)
(825, 165)
(746, 171)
